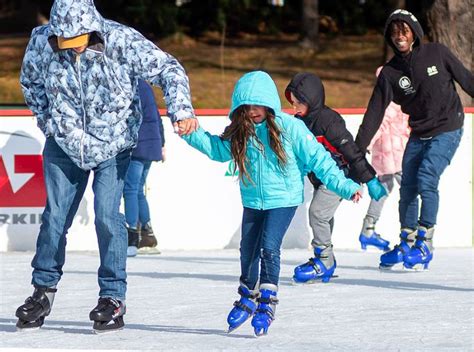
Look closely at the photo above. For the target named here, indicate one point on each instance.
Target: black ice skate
(108, 315)
(148, 243)
(38, 306)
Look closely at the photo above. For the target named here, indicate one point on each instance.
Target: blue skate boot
(265, 313)
(321, 267)
(420, 255)
(396, 255)
(243, 308)
(368, 236)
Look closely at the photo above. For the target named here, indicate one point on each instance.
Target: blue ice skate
(314, 269)
(420, 255)
(397, 254)
(243, 308)
(265, 313)
(374, 240)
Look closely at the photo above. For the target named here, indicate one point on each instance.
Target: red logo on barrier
(33, 192)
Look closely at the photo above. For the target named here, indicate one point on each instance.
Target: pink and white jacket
(388, 145)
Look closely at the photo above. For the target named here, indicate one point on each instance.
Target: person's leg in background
(131, 203)
(368, 236)
(148, 242)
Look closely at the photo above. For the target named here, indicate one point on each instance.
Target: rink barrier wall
(195, 202)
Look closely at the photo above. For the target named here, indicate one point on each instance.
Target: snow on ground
(178, 301)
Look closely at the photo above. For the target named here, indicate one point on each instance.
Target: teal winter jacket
(273, 186)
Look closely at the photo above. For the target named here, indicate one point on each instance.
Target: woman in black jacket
(420, 78)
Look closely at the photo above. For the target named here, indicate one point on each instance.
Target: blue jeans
(262, 235)
(423, 163)
(136, 205)
(65, 186)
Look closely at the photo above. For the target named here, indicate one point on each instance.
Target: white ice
(179, 301)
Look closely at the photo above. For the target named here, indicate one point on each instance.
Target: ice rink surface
(178, 301)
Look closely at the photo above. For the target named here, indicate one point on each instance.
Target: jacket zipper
(78, 62)
(260, 165)
(410, 66)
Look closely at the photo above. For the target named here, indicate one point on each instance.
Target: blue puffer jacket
(274, 187)
(89, 102)
(151, 137)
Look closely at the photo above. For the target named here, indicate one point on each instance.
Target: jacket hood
(409, 19)
(308, 89)
(70, 18)
(255, 88)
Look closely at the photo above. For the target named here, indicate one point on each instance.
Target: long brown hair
(242, 129)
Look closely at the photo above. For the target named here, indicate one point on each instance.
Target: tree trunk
(310, 24)
(28, 14)
(451, 22)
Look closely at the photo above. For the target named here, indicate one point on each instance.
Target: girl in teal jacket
(273, 152)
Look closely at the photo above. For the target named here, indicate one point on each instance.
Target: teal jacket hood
(70, 18)
(256, 88)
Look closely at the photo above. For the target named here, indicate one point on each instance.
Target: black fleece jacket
(329, 128)
(422, 83)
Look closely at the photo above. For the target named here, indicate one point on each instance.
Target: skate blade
(312, 282)
(229, 330)
(416, 268)
(107, 331)
(27, 330)
(372, 249)
(101, 327)
(398, 267)
(29, 326)
(149, 250)
(106, 328)
(261, 333)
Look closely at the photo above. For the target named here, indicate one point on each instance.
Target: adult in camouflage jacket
(79, 77)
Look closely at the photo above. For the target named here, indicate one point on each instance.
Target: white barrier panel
(195, 204)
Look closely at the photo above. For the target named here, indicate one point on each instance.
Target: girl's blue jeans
(262, 235)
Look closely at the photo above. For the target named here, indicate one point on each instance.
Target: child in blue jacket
(306, 93)
(271, 150)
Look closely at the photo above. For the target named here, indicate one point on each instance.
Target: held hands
(186, 126)
(376, 190)
(357, 196)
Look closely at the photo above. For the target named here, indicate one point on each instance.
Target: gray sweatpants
(375, 207)
(321, 215)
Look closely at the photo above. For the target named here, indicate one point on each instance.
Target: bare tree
(28, 13)
(310, 24)
(451, 22)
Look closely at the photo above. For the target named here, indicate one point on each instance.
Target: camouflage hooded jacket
(88, 102)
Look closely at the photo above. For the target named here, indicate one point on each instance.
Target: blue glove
(376, 190)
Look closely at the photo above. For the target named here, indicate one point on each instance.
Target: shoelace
(108, 300)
